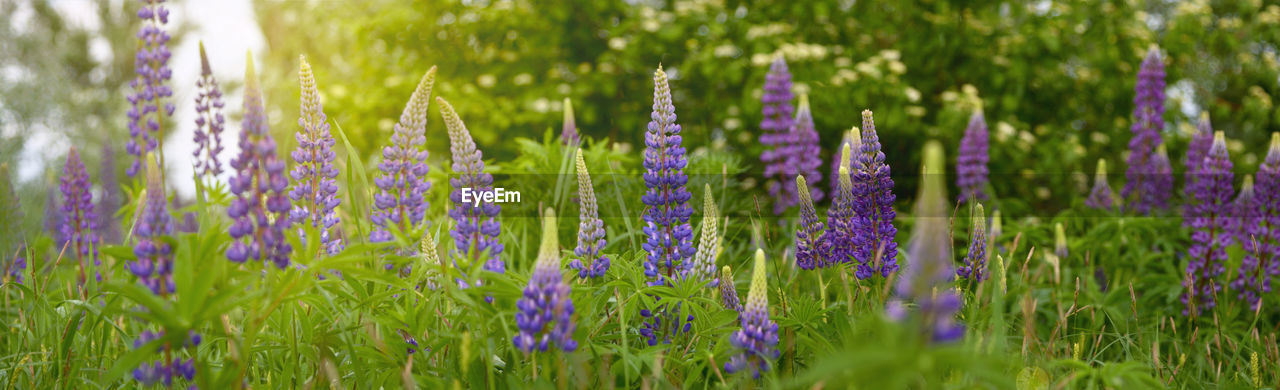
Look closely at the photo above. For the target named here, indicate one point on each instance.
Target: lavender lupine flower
(403, 182)
(259, 211)
(1142, 189)
(1262, 241)
(729, 292)
(1244, 210)
(1162, 180)
(874, 245)
(545, 312)
(150, 108)
(806, 156)
(13, 241)
(776, 134)
(1101, 196)
(757, 341)
(109, 201)
(704, 261)
(1208, 253)
(168, 367)
(971, 162)
(1060, 241)
(475, 233)
(840, 233)
(569, 131)
(926, 278)
(591, 237)
(852, 140)
(315, 184)
(813, 250)
(1197, 149)
(154, 264)
(975, 262)
(209, 120)
(79, 223)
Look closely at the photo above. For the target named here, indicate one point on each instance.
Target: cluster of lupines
(1262, 232)
(875, 247)
(402, 184)
(971, 162)
(151, 83)
(79, 223)
(776, 134)
(851, 141)
(209, 120)
(728, 292)
(840, 224)
(1212, 190)
(813, 249)
(975, 262)
(704, 260)
(1101, 197)
(1149, 179)
(154, 263)
(475, 233)
(259, 211)
(13, 259)
(168, 366)
(315, 185)
(925, 279)
(109, 200)
(589, 262)
(569, 131)
(545, 311)
(1197, 149)
(757, 340)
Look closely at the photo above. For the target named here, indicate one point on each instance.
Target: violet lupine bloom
(1101, 196)
(840, 233)
(260, 209)
(975, 262)
(315, 184)
(971, 163)
(1143, 188)
(1197, 149)
(403, 182)
(806, 155)
(209, 120)
(776, 134)
(168, 366)
(109, 201)
(1244, 210)
(729, 292)
(757, 340)
(475, 233)
(852, 140)
(1162, 180)
(813, 250)
(1208, 253)
(149, 108)
(927, 276)
(1262, 242)
(154, 265)
(79, 223)
(545, 312)
(591, 237)
(704, 261)
(569, 131)
(875, 248)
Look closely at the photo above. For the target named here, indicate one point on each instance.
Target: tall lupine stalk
(975, 262)
(1197, 149)
(315, 184)
(852, 140)
(569, 131)
(1261, 244)
(149, 106)
(13, 241)
(209, 121)
(79, 223)
(666, 215)
(1143, 189)
(109, 201)
(813, 249)
(757, 339)
(841, 234)
(1208, 253)
(874, 244)
(260, 208)
(402, 184)
(729, 292)
(926, 279)
(589, 262)
(544, 314)
(704, 260)
(971, 162)
(475, 234)
(1101, 197)
(776, 134)
(806, 155)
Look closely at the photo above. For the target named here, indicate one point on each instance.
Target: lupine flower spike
(704, 261)
(840, 224)
(853, 140)
(430, 254)
(1059, 241)
(569, 131)
(1101, 197)
(260, 208)
(588, 261)
(757, 341)
(805, 154)
(813, 250)
(925, 281)
(154, 264)
(1144, 189)
(975, 262)
(209, 121)
(728, 292)
(315, 184)
(876, 250)
(1261, 241)
(1244, 210)
(776, 134)
(1197, 149)
(971, 163)
(402, 184)
(149, 106)
(79, 223)
(1208, 253)
(475, 232)
(545, 312)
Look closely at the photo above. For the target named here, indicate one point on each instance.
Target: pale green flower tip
(1219, 138)
(978, 214)
(1275, 142)
(1248, 184)
(846, 153)
(568, 110)
(1059, 235)
(759, 282)
(1102, 168)
(804, 102)
(549, 251)
(934, 159)
(250, 75)
(802, 188)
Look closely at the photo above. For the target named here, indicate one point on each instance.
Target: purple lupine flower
(1244, 210)
(813, 249)
(260, 209)
(209, 120)
(874, 245)
(1143, 189)
(757, 340)
(1161, 181)
(545, 312)
(1101, 196)
(852, 139)
(168, 366)
(975, 262)
(149, 106)
(729, 292)
(315, 184)
(569, 131)
(806, 155)
(776, 134)
(1262, 243)
(928, 273)
(591, 237)
(1197, 149)
(402, 184)
(704, 260)
(154, 264)
(971, 162)
(475, 233)
(1209, 241)
(840, 232)
(109, 201)
(13, 241)
(79, 223)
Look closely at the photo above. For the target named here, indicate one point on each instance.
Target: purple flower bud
(728, 292)
(315, 189)
(757, 340)
(209, 121)
(704, 261)
(259, 210)
(545, 312)
(775, 128)
(1101, 196)
(813, 250)
(1197, 149)
(589, 262)
(1207, 256)
(1146, 176)
(79, 223)
(840, 217)
(874, 244)
(975, 262)
(971, 162)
